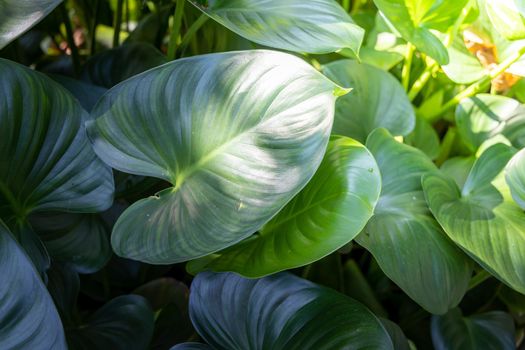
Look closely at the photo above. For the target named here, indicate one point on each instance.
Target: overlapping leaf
(404, 238)
(17, 16)
(279, 312)
(490, 330)
(377, 101)
(316, 26)
(515, 176)
(243, 134)
(328, 213)
(481, 217)
(46, 162)
(28, 318)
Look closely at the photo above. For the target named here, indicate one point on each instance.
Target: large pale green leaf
(46, 161)
(491, 331)
(316, 26)
(485, 116)
(328, 213)
(481, 217)
(404, 238)
(28, 318)
(377, 101)
(81, 240)
(110, 67)
(463, 66)
(507, 18)
(515, 176)
(280, 312)
(124, 323)
(238, 140)
(414, 19)
(17, 16)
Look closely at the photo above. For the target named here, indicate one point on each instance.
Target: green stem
(481, 84)
(192, 30)
(356, 5)
(446, 145)
(93, 43)
(70, 39)
(422, 80)
(175, 30)
(118, 23)
(479, 278)
(405, 73)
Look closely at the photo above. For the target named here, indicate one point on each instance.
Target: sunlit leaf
(515, 176)
(239, 139)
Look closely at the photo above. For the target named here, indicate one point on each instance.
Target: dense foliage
(262, 174)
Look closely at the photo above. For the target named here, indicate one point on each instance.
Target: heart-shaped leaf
(415, 18)
(404, 238)
(490, 330)
(280, 312)
(327, 214)
(515, 176)
(485, 116)
(481, 217)
(238, 140)
(377, 101)
(17, 16)
(318, 26)
(46, 161)
(28, 318)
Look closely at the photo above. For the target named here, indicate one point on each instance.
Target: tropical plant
(262, 174)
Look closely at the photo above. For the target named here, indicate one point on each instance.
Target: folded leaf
(327, 214)
(280, 312)
(28, 318)
(238, 139)
(377, 101)
(404, 238)
(17, 16)
(490, 330)
(482, 218)
(316, 26)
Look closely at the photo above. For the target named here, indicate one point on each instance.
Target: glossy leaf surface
(327, 214)
(238, 140)
(292, 313)
(28, 318)
(404, 238)
(316, 26)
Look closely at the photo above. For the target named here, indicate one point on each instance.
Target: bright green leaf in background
(414, 20)
(463, 66)
(17, 16)
(315, 26)
(46, 161)
(515, 177)
(28, 318)
(485, 116)
(507, 17)
(490, 330)
(238, 139)
(328, 213)
(280, 312)
(404, 238)
(481, 217)
(376, 101)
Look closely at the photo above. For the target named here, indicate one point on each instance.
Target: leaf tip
(341, 91)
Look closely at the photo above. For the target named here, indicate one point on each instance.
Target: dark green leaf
(280, 312)
(239, 139)
(28, 318)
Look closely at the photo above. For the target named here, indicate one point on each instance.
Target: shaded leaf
(238, 140)
(404, 238)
